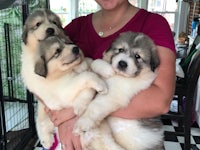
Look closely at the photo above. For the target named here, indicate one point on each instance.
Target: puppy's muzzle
(50, 31)
(122, 65)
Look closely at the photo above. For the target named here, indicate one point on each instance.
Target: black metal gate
(17, 105)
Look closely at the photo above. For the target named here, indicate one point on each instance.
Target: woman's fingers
(68, 139)
(60, 116)
(76, 142)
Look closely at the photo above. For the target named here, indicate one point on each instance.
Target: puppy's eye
(121, 50)
(38, 24)
(57, 52)
(54, 22)
(137, 56)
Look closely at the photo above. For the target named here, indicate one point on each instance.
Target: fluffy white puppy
(58, 74)
(55, 70)
(129, 66)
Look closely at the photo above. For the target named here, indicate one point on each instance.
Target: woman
(94, 34)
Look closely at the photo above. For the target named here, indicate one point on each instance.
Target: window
(63, 9)
(134, 2)
(70, 9)
(87, 6)
(165, 8)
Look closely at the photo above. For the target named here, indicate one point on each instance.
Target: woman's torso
(82, 32)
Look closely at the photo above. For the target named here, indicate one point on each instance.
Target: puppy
(55, 70)
(40, 24)
(128, 67)
(60, 78)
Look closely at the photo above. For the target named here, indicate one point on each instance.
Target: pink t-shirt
(82, 33)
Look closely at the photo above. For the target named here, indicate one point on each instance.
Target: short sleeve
(158, 29)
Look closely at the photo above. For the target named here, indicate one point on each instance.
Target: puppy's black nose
(122, 65)
(75, 50)
(50, 31)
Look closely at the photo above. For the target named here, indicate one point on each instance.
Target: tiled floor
(173, 142)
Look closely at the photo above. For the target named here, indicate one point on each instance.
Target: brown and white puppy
(40, 24)
(55, 70)
(58, 74)
(129, 66)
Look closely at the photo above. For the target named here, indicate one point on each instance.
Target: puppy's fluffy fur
(55, 70)
(129, 66)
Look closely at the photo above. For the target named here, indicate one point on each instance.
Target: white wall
(181, 17)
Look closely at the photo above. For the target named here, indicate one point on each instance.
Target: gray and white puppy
(39, 25)
(128, 67)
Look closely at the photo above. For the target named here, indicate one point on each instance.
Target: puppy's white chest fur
(129, 86)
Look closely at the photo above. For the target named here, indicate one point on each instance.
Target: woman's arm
(155, 100)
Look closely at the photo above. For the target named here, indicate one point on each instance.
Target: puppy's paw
(78, 110)
(101, 87)
(107, 70)
(108, 74)
(47, 140)
(83, 125)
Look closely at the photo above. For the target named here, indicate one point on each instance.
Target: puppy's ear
(25, 34)
(107, 55)
(155, 61)
(40, 67)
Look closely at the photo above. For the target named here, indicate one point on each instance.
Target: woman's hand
(60, 116)
(68, 140)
